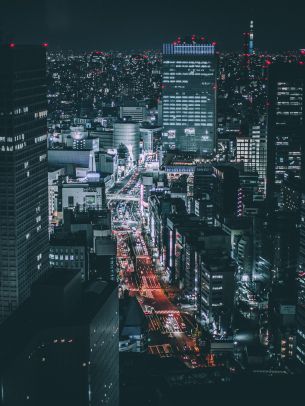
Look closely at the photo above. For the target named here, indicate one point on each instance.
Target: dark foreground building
(286, 116)
(61, 347)
(23, 173)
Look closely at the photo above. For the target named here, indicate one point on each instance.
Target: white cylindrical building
(127, 133)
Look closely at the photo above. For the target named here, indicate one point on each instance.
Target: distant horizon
(143, 50)
(97, 24)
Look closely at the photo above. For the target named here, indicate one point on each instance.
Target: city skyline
(152, 203)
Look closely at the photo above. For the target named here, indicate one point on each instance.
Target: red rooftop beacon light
(45, 44)
(12, 45)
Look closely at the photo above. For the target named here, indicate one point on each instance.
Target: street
(171, 332)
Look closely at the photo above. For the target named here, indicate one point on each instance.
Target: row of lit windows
(13, 148)
(21, 110)
(11, 139)
(170, 75)
(175, 81)
(289, 103)
(289, 94)
(41, 114)
(182, 123)
(182, 104)
(289, 113)
(167, 76)
(183, 97)
(187, 63)
(187, 110)
(40, 138)
(66, 257)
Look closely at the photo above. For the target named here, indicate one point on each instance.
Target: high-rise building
(189, 96)
(252, 151)
(61, 347)
(217, 282)
(23, 173)
(286, 117)
(300, 350)
(226, 191)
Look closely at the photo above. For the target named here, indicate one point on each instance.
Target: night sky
(144, 24)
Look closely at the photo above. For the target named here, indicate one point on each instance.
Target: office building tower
(189, 96)
(226, 191)
(252, 151)
(23, 173)
(286, 116)
(243, 150)
(300, 350)
(204, 181)
(258, 134)
(248, 193)
(217, 282)
(61, 347)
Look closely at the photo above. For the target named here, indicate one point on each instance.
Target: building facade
(300, 349)
(23, 173)
(189, 96)
(285, 125)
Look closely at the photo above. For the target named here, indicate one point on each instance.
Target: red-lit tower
(248, 44)
(248, 48)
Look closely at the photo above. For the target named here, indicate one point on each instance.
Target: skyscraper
(286, 116)
(23, 173)
(189, 96)
(300, 351)
(252, 151)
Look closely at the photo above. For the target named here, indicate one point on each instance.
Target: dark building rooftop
(68, 239)
(58, 299)
(132, 317)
